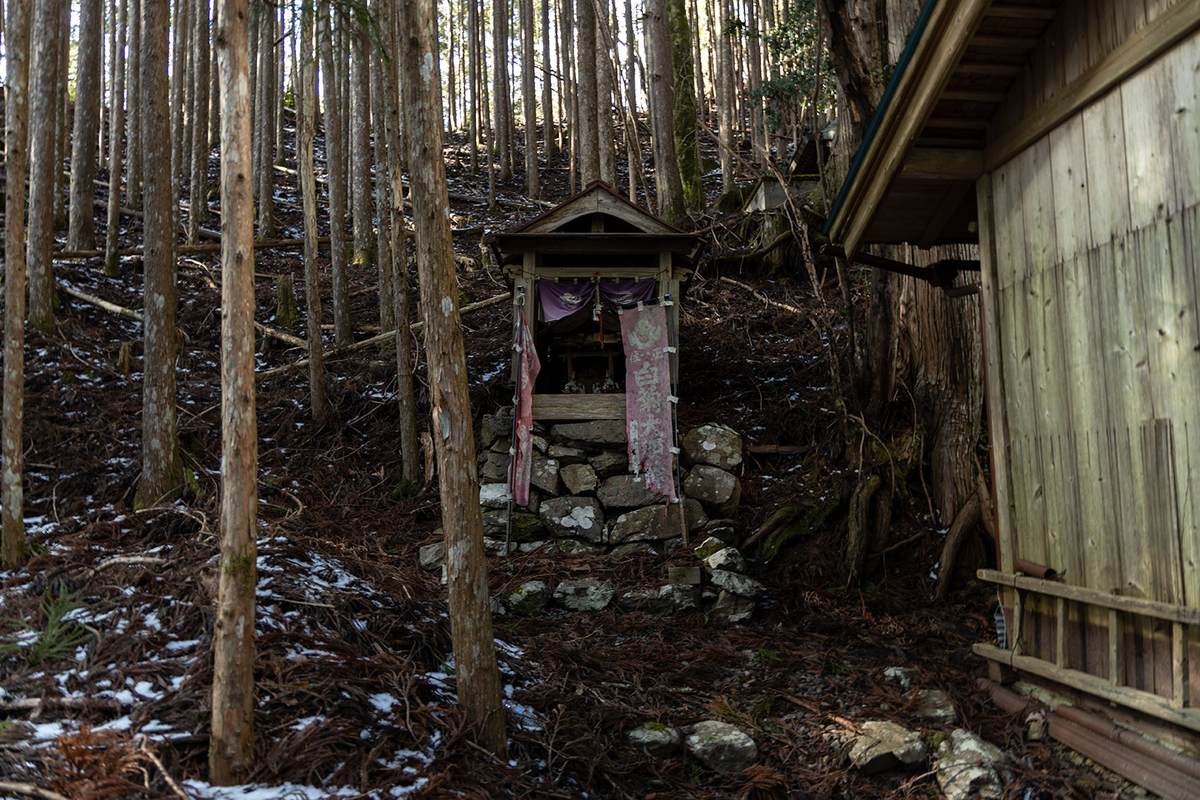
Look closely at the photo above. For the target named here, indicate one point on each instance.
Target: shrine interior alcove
(572, 269)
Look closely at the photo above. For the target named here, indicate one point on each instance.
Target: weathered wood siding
(1094, 337)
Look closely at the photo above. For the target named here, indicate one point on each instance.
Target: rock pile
(584, 499)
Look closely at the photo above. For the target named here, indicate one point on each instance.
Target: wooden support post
(1181, 668)
(1060, 638)
(1116, 647)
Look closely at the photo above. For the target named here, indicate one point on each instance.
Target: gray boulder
(579, 478)
(737, 583)
(602, 434)
(935, 706)
(543, 473)
(732, 608)
(648, 600)
(712, 444)
(885, 745)
(493, 495)
(526, 527)
(573, 516)
(724, 529)
(969, 767)
(573, 547)
(655, 740)
(728, 559)
(495, 467)
(584, 594)
(626, 491)
(528, 599)
(496, 426)
(720, 746)
(708, 547)
(650, 524)
(432, 556)
(901, 675)
(610, 463)
(718, 490)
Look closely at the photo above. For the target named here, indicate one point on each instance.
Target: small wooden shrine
(573, 269)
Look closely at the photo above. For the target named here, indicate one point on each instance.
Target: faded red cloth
(647, 397)
(528, 367)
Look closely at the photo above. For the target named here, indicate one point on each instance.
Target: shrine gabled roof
(595, 198)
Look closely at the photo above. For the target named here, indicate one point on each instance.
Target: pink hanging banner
(648, 396)
(528, 367)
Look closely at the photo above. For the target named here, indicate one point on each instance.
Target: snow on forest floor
(106, 664)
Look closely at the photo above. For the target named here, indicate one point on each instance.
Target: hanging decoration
(528, 367)
(648, 399)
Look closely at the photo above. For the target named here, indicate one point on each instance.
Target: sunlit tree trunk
(306, 125)
(605, 140)
(477, 675)
(500, 88)
(383, 244)
(584, 133)
(198, 199)
(13, 550)
(62, 108)
(112, 263)
(684, 120)
(360, 147)
(667, 183)
(529, 98)
(81, 235)
(133, 114)
(549, 144)
(337, 187)
(231, 746)
(268, 84)
(162, 470)
(43, 70)
(725, 95)
(474, 50)
(178, 69)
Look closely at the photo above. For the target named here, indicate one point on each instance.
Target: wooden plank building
(593, 236)
(1064, 139)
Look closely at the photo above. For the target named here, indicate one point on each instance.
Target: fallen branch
(113, 308)
(194, 249)
(754, 255)
(365, 344)
(29, 790)
(77, 703)
(133, 212)
(117, 561)
(150, 754)
(773, 303)
(282, 336)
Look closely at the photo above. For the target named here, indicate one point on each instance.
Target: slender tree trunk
(758, 132)
(162, 469)
(62, 111)
(549, 145)
(178, 70)
(529, 99)
(133, 112)
(589, 150)
(383, 244)
(231, 748)
(81, 234)
(500, 87)
(268, 85)
(337, 188)
(684, 122)
(214, 93)
(360, 148)
(667, 183)
(306, 125)
(13, 551)
(697, 56)
(43, 138)
(605, 139)
(565, 93)
(725, 96)
(478, 677)
(410, 456)
(474, 49)
(198, 199)
(112, 263)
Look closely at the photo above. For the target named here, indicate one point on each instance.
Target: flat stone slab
(493, 495)
(573, 517)
(970, 767)
(720, 746)
(737, 583)
(658, 741)
(935, 706)
(528, 599)
(733, 608)
(543, 473)
(566, 455)
(610, 463)
(605, 434)
(728, 559)
(579, 478)
(626, 491)
(431, 556)
(718, 490)
(885, 745)
(585, 594)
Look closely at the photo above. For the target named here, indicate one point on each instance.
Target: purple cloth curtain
(623, 292)
(563, 298)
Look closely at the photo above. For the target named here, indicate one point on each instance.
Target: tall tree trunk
(178, 71)
(668, 185)
(410, 457)
(585, 60)
(112, 263)
(306, 125)
(474, 49)
(268, 86)
(500, 87)
(605, 140)
(337, 187)
(13, 551)
(133, 112)
(478, 677)
(360, 147)
(383, 231)
(529, 99)
(62, 109)
(43, 139)
(162, 469)
(684, 121)
(198, 198)
(549, 144)
(231, 748)
(700, 104)
(725, 95)
(81, 235)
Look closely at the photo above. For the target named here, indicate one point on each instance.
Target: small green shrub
(56, 641)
